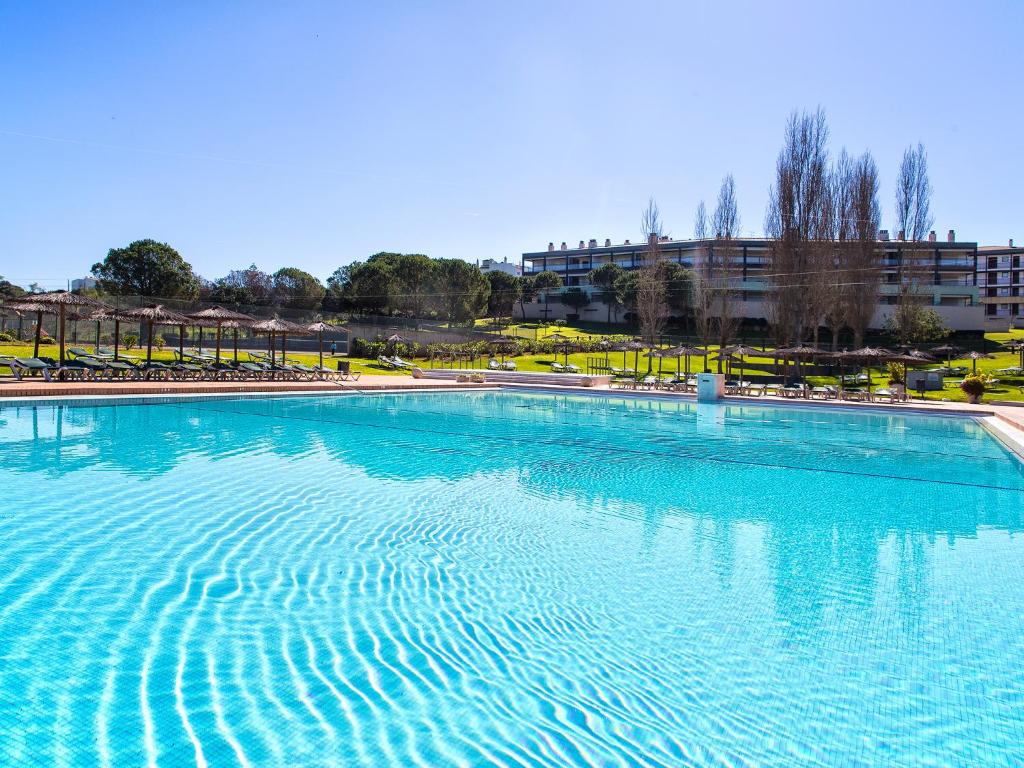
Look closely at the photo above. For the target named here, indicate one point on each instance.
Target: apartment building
(945, 273)
(1001, 283)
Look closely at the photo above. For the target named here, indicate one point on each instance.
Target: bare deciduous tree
(651, 306)
(914, 195)
(859, 252)
(703, 295)
(722, 270)
(913, 221)
(797, 220)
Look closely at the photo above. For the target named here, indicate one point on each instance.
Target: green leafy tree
(147, 268)
(545, 282)
(364, 286)
(575, 298)
(679, 288)
(627, 288)
(415, 276)
(913, 324)
(9, 290)
(243, 286)
(297, 289)
(604, 279)
(506, 290)
(462, 289)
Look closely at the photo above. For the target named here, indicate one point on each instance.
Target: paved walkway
(38, 388)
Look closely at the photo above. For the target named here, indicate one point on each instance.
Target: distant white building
(506, 266)
(84, 283)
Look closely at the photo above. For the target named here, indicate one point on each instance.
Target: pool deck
(37, 388)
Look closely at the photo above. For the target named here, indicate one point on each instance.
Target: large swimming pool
(506, 578)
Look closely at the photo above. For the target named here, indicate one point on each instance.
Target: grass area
(167, 355)
(1010, 387)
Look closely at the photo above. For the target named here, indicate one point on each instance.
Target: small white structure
(710, 387)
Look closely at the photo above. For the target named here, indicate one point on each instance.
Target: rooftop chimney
(551, 246)
(607, 242)
(883, 235)
(626, 243)
(593, 243)
(903, 235)
(931, 236)
(951, 237)
(1011, 242)
(582, 245)
(563, 245)
(652, 238)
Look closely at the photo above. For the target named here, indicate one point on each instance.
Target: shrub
(129, 340)
(7, 338)
(973, 386)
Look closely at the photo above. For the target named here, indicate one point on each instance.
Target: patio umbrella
(503, 345)
(740, 350)
(59, 303)
(866, 356)
(661, 354)
(276, 325)
(156, 314)
(798, 353)
(687, 352)
(39, 309)
(949, 351)
(319, 327)
(974, 357)
(633, 346)
(106, 315)
(217, 316)
(395, 339)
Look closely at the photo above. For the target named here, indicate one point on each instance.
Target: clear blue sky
(315, 134)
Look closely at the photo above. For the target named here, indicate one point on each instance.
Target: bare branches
(859, 254)
(651, 307)
(799, 217)
(914, 195)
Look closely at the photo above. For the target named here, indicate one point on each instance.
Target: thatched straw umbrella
(276, 325)
(686, 352)
(866, 356)
(633, 346)
(58, 303)
(38, 309)
(157, 314)
(106, 315)
(234, 325)
(217, 316)
(740, 350)
(974, 357)
(319, 328)
(949, 351)
(502, 345)
(798, 353)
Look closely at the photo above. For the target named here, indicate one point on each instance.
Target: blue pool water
(499, 578)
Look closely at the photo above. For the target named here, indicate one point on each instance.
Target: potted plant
(974, 388)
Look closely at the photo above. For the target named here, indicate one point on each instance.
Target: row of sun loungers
(750, 389)
(395, 363)
(83, 366)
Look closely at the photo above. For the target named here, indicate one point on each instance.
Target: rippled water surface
(518, 579)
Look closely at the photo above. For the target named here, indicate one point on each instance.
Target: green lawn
(1009, 388)
(167, 354)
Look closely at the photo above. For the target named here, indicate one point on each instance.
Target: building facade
(506, 266)
(1001, 283)
(946, 274)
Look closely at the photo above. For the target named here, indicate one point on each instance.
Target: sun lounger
(557, 368)
(572, 368)
(22, 366)
(509, 365)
